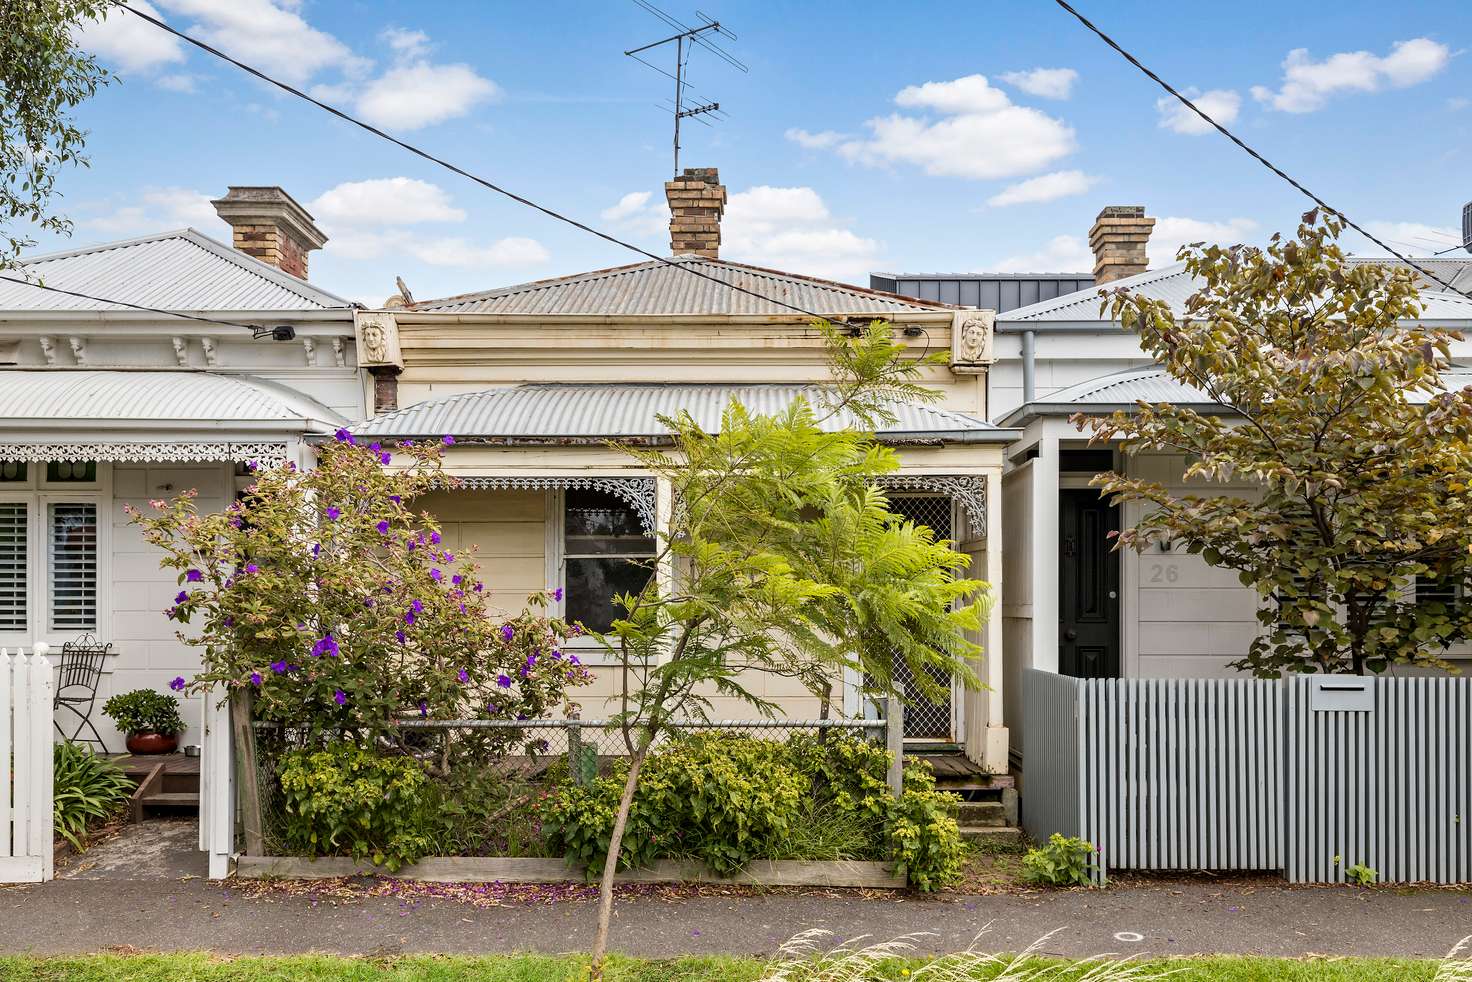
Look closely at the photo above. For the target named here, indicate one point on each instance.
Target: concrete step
(988, 813)
(974, 833)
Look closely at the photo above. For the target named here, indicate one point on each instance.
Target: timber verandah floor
(163, 781)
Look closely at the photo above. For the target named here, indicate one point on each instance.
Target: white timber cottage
(105, 404)
(533, 381)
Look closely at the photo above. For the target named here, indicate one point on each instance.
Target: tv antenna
(687, 104)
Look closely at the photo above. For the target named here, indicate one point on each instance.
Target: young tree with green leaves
(782, 557)
(1332, 402)
(44, 75)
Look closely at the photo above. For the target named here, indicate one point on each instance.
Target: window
(72, 565)
(605, 552)
(1430, 591)
(14, 541)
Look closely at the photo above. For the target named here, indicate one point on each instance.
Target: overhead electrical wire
(1253, 153)
(456, 169)
(255, 328)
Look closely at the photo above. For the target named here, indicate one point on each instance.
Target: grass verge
(542, 968)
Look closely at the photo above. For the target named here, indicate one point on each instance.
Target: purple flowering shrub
(343, 610)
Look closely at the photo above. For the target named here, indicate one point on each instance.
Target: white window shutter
(72, 563)
(13, 579)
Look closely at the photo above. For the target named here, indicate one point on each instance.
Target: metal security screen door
(924, 719)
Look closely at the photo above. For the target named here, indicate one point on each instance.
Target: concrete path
(144, 890)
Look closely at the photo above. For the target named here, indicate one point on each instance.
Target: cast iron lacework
(968, 490)
(266, 454)
(637, 492)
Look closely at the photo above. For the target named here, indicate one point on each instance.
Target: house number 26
(1164, 573)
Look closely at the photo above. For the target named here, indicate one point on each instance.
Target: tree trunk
(610, 864)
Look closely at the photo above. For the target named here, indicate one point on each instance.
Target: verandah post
(242, 711)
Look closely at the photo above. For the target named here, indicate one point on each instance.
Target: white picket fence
(25, 766)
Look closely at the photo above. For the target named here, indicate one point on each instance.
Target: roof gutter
(1028, 412)
(927, 438)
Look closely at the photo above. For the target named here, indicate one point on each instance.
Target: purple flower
(572, 659)
(401, 637)
(423, 709)
(417, 605)
(229, 622)
(479, 587)
(449, 557)
(193, 576)
(409, 617)
(557, 594)
(279, 667)
(369, 602)
(252, 568)
(252, 465)
(385, 457)
(448, 440)
(183, 596)
(255, 679)
(556, 655)
(396, 499)
(332, 512)
(343, 436)
(316, 549)
(178, 684)
(503, 680)
(326, 645)
(375, 446)
(436, 575)
(340, 697)
(463, 675)
(434, 537)
(457, 579)
(508, 632)
(383, 527)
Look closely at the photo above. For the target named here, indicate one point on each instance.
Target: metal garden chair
(76, 689)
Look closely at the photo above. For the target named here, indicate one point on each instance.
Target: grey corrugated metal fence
(1309, 776)
(1380, 772)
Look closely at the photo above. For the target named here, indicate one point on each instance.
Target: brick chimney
(271, 226)
(697, 200)
(1118, 238)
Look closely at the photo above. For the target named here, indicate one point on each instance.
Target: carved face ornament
(375, 343)
(973, 340)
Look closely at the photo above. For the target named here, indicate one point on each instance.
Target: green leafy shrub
(86, 788)
(1361, 875)
(1062, 861)
(145, 711)
(483, 812)
(348, 800)
(922, 834)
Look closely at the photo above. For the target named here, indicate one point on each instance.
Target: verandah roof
(569, 412)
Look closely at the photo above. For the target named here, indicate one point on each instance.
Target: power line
(1251, 152)
(456, 169)
(256, 329)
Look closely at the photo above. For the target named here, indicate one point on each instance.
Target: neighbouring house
(104, 405)
(532, 381)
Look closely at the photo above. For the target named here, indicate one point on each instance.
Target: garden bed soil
(499, 869)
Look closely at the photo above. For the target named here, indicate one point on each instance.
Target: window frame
(557, 557)
(38, 495)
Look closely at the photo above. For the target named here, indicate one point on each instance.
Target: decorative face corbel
(971, 341)
(378, 339)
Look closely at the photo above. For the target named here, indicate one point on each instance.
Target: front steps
(989, 804)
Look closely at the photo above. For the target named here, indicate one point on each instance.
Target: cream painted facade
(517, 531)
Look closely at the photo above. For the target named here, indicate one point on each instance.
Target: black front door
(1088, 586)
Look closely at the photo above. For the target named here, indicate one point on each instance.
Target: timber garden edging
(858, 874)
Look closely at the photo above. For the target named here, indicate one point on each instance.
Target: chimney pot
(270, 225)
(1119, 239)
(697, 200)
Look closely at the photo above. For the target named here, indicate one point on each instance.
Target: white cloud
(1046, 83)
(374, 219)
(385, 201)
(155, 209)
(130, 43)
(980, 134)
(1048, 187)
(628, 206)
(176, 82)
(413, 96)
(1308, 84)
(404, 42)
(1170, 233)
(1062, 254)
(792, 229)
(268, 35)
(826, 140)
(1222, 105)
(1457, 103)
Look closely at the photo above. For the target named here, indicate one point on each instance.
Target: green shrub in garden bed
(86, 789)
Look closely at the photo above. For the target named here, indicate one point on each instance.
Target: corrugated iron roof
(653, 288)
(119, 399)
(1150, 384)
(184, 270)
(1173, 285)
(551, 411)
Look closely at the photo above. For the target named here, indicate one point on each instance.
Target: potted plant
(150, 719)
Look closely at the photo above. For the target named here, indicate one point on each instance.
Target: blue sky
(866, 136)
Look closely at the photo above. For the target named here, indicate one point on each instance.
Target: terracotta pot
(151, 743)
